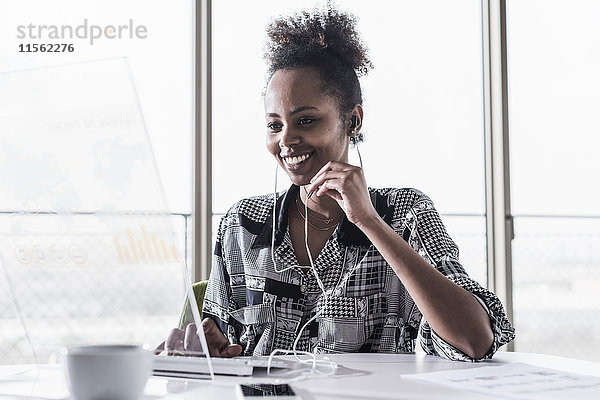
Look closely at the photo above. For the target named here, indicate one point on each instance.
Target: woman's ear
(356, 118)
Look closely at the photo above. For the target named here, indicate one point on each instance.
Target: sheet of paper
(517, 381)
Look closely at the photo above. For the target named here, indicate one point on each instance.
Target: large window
(554, 59)
(161, 63)
(423, 107)
(423, 104)
(153, 77)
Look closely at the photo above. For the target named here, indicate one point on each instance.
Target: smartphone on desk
(255, 391)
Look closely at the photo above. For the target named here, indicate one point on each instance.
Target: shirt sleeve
(426, 234)
(218, 300)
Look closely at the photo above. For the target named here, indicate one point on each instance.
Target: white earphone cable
(330, 366)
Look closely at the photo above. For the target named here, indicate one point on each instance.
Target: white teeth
(296, 159)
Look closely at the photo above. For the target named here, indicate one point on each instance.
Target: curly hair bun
(317, 34)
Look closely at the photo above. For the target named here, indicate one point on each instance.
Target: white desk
(359, 376)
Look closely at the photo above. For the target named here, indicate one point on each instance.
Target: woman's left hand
(347, 185)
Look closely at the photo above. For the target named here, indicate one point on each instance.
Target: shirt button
(303, 288)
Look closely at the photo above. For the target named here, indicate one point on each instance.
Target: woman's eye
(274, 126)
(305, 121)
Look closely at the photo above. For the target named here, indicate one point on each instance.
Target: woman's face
(304, 128)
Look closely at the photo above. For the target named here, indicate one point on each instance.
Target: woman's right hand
(188, 342)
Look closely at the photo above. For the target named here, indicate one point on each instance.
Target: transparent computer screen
(89, 251)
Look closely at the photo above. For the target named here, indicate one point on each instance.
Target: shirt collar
(348, 233)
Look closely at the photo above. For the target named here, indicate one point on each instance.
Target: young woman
(331, 263)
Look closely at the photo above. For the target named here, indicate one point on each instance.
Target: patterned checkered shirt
(368, 309)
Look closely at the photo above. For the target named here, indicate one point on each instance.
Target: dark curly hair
(328, 41)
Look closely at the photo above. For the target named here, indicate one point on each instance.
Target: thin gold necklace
(326, 221)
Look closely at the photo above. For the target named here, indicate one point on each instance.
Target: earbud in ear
(354, 122)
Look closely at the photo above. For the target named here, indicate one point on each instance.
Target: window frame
(499, 220)
(202, 144)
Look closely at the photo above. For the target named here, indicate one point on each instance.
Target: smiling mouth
(296, 161)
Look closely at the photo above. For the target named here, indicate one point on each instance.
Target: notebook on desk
(197, 367)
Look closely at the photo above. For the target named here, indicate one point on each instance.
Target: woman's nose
(288, 137)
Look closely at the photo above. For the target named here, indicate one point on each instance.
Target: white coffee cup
(106, 372)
